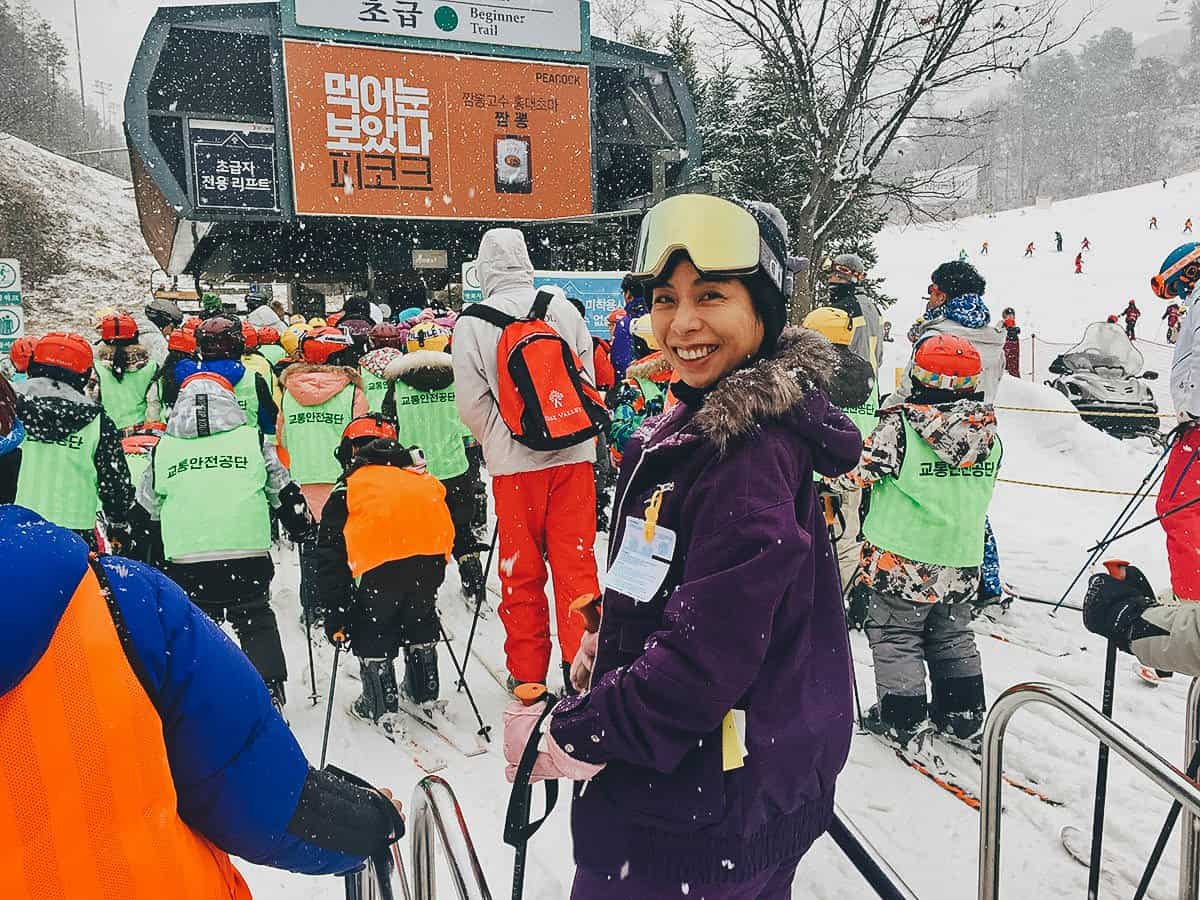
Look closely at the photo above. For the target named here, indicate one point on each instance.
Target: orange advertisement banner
(401, 134)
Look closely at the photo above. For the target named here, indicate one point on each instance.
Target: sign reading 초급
(12, 312)
(406, 134)
(233, 165)
(536, 24)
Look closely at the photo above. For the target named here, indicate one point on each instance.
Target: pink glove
(553, 762)
(585, 661)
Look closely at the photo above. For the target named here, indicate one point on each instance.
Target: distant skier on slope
(1086, 245)
(983, 250)
(1029, 249)
(1187, 226)
(1154, 223)
(1173, 315)
(1132, 314)
(1058, 241)
(1079, 263)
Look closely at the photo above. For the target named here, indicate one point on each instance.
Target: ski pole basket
(1134, 751)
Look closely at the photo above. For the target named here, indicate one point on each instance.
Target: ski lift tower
(1170, 11)
(306, 140)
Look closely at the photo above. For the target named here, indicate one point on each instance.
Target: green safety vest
(213, 493)
(429, 420)
(651, 389)
(138, 463)
(58, 481)
(375, 388)
(125, 400)
(312, 435)
(245, 392)
(933, 512)
(864, 416)
(273, 353)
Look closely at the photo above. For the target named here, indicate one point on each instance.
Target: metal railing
(435, 813)
(882, 878)
(1189, 845)
(1136, 753)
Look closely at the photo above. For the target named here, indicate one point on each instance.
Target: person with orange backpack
(142, 746)
(537, 429)
(382, 549)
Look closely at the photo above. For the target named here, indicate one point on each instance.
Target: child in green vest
(211, 483)
(72, 463)
(385, 344)
(126, 374)
(931, 464)
(421, 400)
(321, 395)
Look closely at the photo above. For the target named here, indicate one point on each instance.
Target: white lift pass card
(641, 565)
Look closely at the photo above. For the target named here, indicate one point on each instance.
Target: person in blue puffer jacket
(145, 743)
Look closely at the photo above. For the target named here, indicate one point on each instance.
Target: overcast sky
(111, 30)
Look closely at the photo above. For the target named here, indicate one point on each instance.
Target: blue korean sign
(599, 291)
(233, 166)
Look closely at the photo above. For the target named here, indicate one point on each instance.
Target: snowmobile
(1102, 376)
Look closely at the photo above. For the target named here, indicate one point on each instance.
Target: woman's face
(707, 328)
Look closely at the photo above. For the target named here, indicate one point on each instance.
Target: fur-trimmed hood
(656, 367)
(137, 356)
(425, 370)
(313, 384)
(787, 388)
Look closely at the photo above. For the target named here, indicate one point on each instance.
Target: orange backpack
(545, 398)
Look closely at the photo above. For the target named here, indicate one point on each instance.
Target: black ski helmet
(220, 338)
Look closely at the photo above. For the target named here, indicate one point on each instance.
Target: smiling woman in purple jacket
(718, 713)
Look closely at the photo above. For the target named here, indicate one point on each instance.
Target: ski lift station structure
(307, 140)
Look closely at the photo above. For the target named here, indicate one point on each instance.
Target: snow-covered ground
(928, 836)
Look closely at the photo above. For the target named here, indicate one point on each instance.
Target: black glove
(335, 627)
(1112, 608)
(294, 515)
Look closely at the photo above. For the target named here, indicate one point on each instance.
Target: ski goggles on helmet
(719, 236)
(1179, 278)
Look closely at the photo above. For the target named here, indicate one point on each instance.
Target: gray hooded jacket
(506, 276)
(223, 414)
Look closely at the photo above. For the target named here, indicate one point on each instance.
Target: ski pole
(1116, 537)
(1165, 835)
(1116, 568)
(862, 727)
(1122, 519)
(485, 730)
(337, 652)
(312, 666)
(479, 602)
(518, 829)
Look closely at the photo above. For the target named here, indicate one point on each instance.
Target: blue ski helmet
(1178, 274)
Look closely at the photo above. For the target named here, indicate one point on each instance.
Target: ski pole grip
(530, 693)
(518, 828)
(588, 607)
(1116, 568)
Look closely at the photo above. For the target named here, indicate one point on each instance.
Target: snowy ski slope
(928, 836)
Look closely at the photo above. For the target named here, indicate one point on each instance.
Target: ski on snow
(389, 727)
(438, 722)
(932, 766)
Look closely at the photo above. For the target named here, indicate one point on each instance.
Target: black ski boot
(421, 684)
(959, 707)
(899, 717)
(379, 700)
(470, 573)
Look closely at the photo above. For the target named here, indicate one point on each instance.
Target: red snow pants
(547, 515)
(1181, 483)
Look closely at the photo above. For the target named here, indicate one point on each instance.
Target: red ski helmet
(182, 342)
(362, 430)
(64, 350)
(220, 338)
(118, 329)
(249, 336)
(22, 352)
(323, 343)
(947, 361)
(267, 335)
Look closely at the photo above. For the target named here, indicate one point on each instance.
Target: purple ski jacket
(749, 617)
